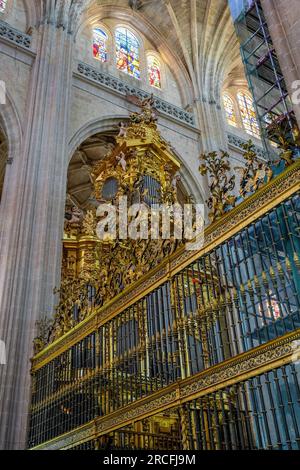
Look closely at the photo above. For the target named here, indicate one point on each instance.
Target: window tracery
(229, 110)
(240, 112)
(248, 114)
(127, 52)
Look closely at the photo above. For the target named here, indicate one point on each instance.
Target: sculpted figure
(123, 129)
(121, 161)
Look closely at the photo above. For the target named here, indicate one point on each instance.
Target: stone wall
(284, 23)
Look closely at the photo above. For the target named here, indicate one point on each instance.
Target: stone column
(32, 213)
(283, 20)
(213, 133)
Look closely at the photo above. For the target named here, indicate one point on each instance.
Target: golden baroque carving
(217, 167)
(267, 197)
(255, 173)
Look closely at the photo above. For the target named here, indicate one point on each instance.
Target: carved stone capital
(63, 14)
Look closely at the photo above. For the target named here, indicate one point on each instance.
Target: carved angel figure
(176, 180)
(123, 130)
(121, 160)
(148, 113)
(148, 102)
(74, 216)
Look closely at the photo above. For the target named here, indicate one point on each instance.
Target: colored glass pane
(100, 45)
(248, 114)
(127, 53)
(154, 72)
(229, 110)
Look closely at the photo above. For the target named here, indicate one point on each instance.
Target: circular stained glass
(110, 188)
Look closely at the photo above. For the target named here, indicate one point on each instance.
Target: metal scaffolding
(266, 81)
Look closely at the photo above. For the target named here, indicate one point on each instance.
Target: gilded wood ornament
(217, 167)
(266, 198)
(255, 173)
(95, 271)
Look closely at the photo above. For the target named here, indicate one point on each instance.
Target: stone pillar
(283, 20)
(213, 133)
(33, 213)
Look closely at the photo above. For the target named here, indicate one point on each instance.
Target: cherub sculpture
(148, 114)
(148, 103)
(121, 160)
(123, 130)
(74, 217)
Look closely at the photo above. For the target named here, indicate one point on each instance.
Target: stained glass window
(248, 114)
(154, 72)
(100, 45)
(127, 53)
(229, 110)
(2, 5)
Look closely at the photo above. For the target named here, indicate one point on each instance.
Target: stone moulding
(13, 35)
(238, 142)
(123, 88)
(268, 197)
(247, 365)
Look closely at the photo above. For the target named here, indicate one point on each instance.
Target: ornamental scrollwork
(221, 183)
(254, 173)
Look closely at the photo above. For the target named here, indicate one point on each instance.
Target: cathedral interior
(114, 342)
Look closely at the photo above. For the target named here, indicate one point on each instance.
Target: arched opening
(91, 151)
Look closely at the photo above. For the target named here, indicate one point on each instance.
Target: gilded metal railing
(236, 299)
(261, 412)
